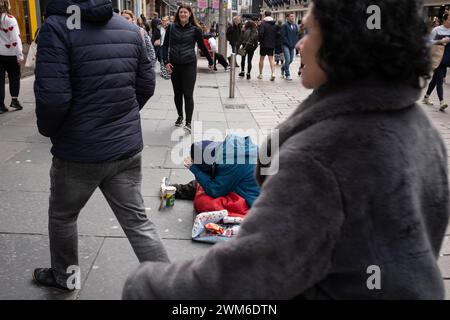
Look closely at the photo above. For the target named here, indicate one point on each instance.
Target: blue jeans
(72, 184)
(234, 48)
(289, 55)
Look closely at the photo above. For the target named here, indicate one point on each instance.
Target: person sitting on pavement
(354, 203)
(211, 44)
(219, 169)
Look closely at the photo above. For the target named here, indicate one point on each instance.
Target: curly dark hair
(350, 51)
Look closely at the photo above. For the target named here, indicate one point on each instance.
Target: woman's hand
(188, 162)
(169, 67)
(445, 40)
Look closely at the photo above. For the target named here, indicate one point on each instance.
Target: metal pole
(232, 74)
(223, 27)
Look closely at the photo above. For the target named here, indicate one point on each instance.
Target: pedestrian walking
(248, 41)
(129, 16)
(89, 88)
(278, 53)
(181, 62)
(440, 36)
(156, 35)
(269, 33)
(146, 24)
(289, 35)
(233, 33)
(10, 56)
(359, 204)
(164, 25)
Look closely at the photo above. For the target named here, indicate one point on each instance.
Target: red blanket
(233, 203)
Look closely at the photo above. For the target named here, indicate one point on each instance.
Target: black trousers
(10, 65)
(186, 191)
(249, 56)
(221, 59)
(438, 82)
(183, 83)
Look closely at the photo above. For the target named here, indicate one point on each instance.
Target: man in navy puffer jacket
(90, 84)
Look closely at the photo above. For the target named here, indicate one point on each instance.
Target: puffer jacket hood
(91, 10)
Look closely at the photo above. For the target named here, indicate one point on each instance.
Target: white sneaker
(187, 128)
(427, 101)
(443, 106)
(260, 77)
(289, 78)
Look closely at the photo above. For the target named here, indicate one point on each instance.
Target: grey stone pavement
(105, 255)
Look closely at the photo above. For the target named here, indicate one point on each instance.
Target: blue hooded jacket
(235, 162)
(91, 83)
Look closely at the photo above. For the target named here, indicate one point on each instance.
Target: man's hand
(188, 162)
(169, 67)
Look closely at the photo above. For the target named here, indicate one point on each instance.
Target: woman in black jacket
(180, 60)
(249, 42)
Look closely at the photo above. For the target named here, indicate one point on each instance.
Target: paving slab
(116, 261)
(445, 250)
(444, 265)
(154, 157)
(10, 149)
(24, 176)
(36, 153)
(172, 222)
(156, 114)
(21, 253)
(447, 289)
(28, 213)
(212, 116)
(181, 176)
(19, 133)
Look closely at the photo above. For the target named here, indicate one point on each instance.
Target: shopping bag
(31, 56)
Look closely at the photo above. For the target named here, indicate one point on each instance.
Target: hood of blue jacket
(237, 150)
(91, 10)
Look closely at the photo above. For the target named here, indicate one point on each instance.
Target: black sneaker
(248, 76)
(179, 122)
(15, 104)
(45, 277)
(188, 128)
(3, 109)
(241, 74)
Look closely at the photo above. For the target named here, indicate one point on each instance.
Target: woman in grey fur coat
(360, 202)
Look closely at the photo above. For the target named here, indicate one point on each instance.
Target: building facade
(279, 8)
